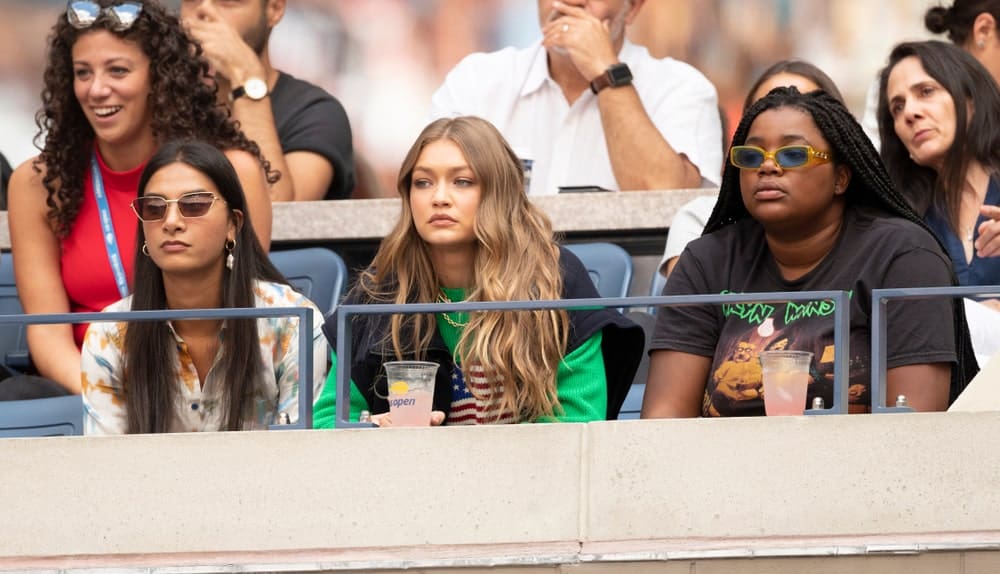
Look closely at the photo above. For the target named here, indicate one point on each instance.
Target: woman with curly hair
(467, 232)
(805, 205)
(121, 78)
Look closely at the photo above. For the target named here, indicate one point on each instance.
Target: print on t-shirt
(735, 383)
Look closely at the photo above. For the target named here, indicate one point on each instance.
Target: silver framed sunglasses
(194, 204)
(82, 14)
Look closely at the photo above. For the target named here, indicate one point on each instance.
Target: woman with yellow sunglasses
(805, 205)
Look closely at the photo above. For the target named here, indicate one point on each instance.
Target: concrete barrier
(862, 493)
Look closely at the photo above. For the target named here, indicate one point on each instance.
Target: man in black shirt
(300, 128)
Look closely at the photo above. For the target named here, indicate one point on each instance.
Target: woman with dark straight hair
(971, 24)
(939, 121)
(196, 250)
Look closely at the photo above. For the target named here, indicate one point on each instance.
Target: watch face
(619, 74)
(256, 88)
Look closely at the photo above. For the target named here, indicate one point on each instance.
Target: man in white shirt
(585, 107)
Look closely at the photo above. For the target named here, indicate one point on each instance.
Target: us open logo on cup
(397, 389)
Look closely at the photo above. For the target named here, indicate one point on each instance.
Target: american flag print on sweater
(466, 409)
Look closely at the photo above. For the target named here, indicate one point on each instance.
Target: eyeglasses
(83, 14)
(789, 156)
(194, 204)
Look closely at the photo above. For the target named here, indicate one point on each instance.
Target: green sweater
(580, 379)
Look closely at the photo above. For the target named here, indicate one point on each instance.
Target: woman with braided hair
(122, 77)
(805, 205)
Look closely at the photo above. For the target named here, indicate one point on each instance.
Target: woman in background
(939, 119)
(121, 78)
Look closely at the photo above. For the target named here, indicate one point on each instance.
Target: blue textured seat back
(609, 266)
(13, 340)
(316, 272)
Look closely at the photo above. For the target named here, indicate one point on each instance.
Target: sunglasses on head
(194, 204)
(83, 14)
(789, 156)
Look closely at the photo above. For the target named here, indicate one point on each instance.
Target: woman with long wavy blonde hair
(468, 232)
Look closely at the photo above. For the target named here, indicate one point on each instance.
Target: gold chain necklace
(442, 298)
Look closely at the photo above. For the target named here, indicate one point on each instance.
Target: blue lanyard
(108, 229)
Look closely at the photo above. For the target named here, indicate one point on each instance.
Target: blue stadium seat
(656, 288)
(316, 272)
(632, 406)
(56, 416)
(13, 338)
(609, 265)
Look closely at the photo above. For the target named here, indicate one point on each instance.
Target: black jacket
(622, 345)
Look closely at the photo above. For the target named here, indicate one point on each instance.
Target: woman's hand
(988, 243)
(384, 420)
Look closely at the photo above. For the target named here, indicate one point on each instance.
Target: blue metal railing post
(880, 300)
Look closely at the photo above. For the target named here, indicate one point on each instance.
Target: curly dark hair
(182, 99)
(870, 186)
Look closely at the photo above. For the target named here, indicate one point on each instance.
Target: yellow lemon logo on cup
(398, 388)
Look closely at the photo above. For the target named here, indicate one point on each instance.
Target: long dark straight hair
(150, 379)
(977, 136)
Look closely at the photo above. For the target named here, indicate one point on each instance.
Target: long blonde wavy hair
(516, 258)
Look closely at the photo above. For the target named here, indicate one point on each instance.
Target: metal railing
(841, 330)
(304, 314)
(880, 299)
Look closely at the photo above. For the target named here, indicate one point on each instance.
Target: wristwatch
(615, 76)
(254, 88)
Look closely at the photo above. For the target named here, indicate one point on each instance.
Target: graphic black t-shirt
(310, 119)
(873, 251)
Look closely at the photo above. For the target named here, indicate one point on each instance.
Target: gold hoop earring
(230, 260)
(145, 249)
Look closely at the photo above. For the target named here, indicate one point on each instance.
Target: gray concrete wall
(876, 492)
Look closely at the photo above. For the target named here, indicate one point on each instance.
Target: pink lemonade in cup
(411, 392)
(786, 381)
(410, 409)
(785, 393)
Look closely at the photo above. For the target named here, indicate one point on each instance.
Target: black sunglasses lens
(792, 156)
(195, 205)
(82, 14)
(151, 208)
(748, 157)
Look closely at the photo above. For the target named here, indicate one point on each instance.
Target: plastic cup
(786, 381)
(411, 392)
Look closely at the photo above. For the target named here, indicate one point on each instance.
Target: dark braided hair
(869, 186)
(182, 100)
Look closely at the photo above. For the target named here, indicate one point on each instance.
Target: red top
(86, 272)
